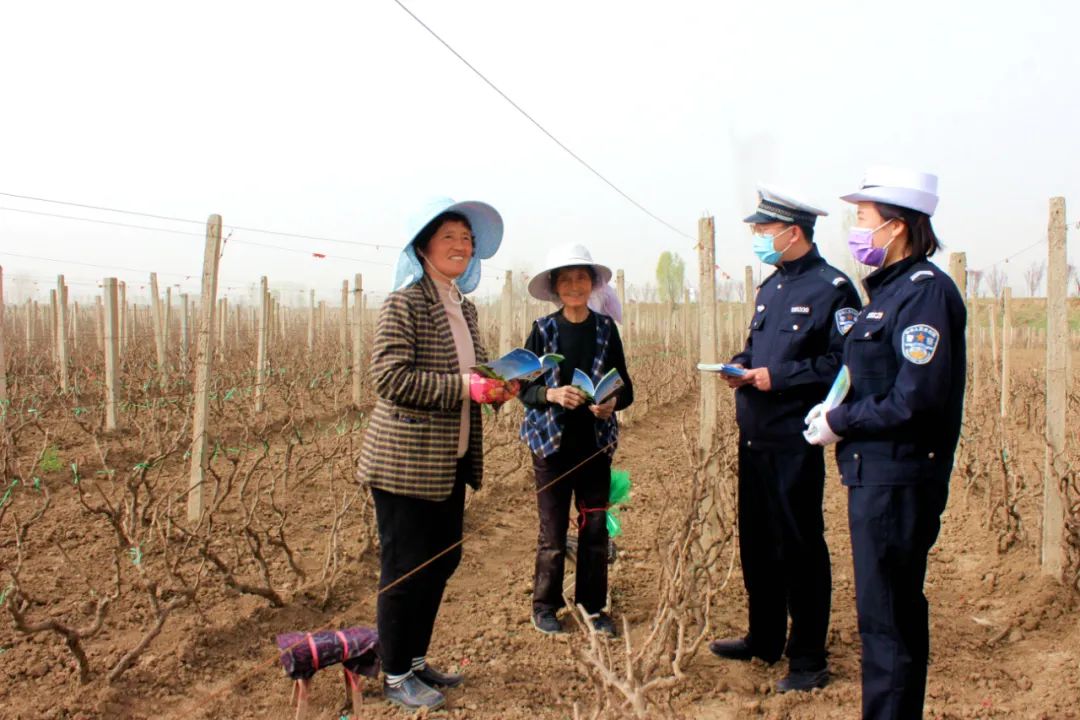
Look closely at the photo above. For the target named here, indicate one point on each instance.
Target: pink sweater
(466, 354)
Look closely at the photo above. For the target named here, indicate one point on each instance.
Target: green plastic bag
(619, 494)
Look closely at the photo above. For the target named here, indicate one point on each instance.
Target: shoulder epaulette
(921, 275)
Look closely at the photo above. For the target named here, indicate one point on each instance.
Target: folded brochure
(833, 400)
(603, 391)
(722, 368)
(519, 364)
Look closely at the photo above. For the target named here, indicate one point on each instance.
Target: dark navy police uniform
(803, 311)
(900, 425)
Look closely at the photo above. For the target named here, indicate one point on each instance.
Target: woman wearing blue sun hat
(423, 444)
(897, 430)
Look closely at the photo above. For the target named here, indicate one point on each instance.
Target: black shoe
(546, 622)
(737, 649)
(413, 694)
(803, 680)
(433, 678)
(603, 624)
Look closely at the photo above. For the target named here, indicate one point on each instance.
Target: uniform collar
(883, 276)
(801, 265)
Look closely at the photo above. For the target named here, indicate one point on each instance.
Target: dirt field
(1006, 641)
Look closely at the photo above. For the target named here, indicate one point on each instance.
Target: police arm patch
(845, 318)
(919, 343)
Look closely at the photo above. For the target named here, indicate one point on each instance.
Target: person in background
(897, 430)
(803, 311)
(572, 441)
(424, 444)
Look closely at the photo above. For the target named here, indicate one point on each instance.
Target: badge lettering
(800, 309)
(919, 343)
(876, 315)
(845, 319)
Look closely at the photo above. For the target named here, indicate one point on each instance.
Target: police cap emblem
(919, 343)
(845, 318)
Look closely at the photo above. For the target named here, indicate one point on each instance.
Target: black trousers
(892, 531)
(411, 532)
(590, 486)
(785, 560)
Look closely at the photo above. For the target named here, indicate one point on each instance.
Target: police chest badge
(845, 318)
(919, 343)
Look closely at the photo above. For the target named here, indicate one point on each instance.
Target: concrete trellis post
(1057, 363)
(204, 348)
(111, 322)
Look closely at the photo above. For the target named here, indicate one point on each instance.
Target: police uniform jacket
(802, 312)
(410, 447)
(906, 353)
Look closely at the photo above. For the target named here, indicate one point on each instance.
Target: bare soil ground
(1006, 641)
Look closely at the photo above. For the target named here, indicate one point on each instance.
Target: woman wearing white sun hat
(572, 441)
(897, 430)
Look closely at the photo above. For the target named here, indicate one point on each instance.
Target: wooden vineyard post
(263, 340)
(166, 321)
(506, 315)
(74, 327)
(52, 325)
(358, 339)
(322, 321)
(620, 290)
(688, 336)
(311, 321)
(31, 321)
(748, 294)
(343, 327)
(992, 307)
(61, 331)
(112, 352)
(707, 403)
(1057, 359)
(185, 329)
(204, 356)
(158, 319)
(3, 351)
(99, 323)
(958, 271)
(1006, 349)
(123, 316)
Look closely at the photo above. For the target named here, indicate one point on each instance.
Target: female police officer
(897, 430)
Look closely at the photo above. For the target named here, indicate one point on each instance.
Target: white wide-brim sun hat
(487, 231)
(898, 186)
(569, 255)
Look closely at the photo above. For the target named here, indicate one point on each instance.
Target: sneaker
(436, 679)
(546, 622)
(603, 624)
(413, 694)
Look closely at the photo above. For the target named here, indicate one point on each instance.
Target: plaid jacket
(542, 427)
(410, 447)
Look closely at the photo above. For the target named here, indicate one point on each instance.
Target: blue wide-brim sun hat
(487, 230)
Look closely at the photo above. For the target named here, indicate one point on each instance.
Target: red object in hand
(488, 391)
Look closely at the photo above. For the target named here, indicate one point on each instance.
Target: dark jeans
(892, 531)
(590, 485)
(411, 532)
(785, 560)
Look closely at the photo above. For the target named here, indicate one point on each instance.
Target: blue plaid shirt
(542, 428)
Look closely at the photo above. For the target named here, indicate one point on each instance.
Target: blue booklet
(608, 387)
(519, 364)
(722, 368)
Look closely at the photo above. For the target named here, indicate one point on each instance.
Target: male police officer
(792, 356)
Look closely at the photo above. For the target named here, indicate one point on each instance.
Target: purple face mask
(861, 243)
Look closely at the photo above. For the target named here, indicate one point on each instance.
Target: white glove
(815, 412)
(819, 432)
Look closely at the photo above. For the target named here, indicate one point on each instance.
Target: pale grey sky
(339, 118)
